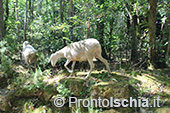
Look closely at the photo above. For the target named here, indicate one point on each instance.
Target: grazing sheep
(80, 51)
(29, 54)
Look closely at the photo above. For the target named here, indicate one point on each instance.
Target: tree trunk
(167, 33)
(32, 10)
(134, 54)
(54, 12)
(139, 32)
(61, 11)
(7, 13)
(61, 19)
(100, 30)
(16, 16)
(2, 28)
(100, 34)
(25, 21)
(88, 29)
(131, 25)
(152, 34)
(110, 35)
(71, 23)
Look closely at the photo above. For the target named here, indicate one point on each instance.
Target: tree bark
(134, 54)
(7, 13)
(32, 10)
(25, 21)
(110, 35)
(167, 31)
(100, 30)
(100, 34)
(16, 16)
(2, 28)
(132, 32)
(61, 19)
(88, 29)
(71, 23)
(54, 12)
(152, 34)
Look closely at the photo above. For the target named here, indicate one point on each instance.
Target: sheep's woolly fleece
(80, 51)
(28, 53)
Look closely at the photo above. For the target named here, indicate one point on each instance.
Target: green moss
(162, 110)
(75, 85)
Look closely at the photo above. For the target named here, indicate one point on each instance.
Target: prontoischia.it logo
(60, 101)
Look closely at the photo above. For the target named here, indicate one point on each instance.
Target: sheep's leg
(105, 62)
(74, 62)
(65, 65)
(90, 60)
(72, 68)
(29, 68)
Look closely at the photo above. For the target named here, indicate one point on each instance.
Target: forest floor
(148, 84)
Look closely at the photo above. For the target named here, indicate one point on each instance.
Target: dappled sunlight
(146, 84)
(19, 69)
(119, 49)
(153, 83)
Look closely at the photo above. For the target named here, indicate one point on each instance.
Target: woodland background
(134, 35)
(134, 31)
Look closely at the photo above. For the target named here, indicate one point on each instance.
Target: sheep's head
(25, 44)
(53, 59)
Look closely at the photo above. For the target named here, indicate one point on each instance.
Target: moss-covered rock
(3, 79)
(115, 90)
(110, 89)
(26, 92)
(75, 85)
(163, 110)
(47, 95)
(24, 105)
(31, 105)
(78, 107)
(6, 97)
(4, 105)
(64, 109)
(42, 100)
(40, 109)
(110, 111)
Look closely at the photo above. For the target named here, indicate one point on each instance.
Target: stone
(75, 85)
(114, 90)
(163, 110)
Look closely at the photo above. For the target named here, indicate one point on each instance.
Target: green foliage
(43, 59)
(33, 82)
(6, 61)
(64, 92)
(132, 81)
(133, 73)
(48, 29)
(38, 79)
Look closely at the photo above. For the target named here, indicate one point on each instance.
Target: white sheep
(29, 54)
(80, 51)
